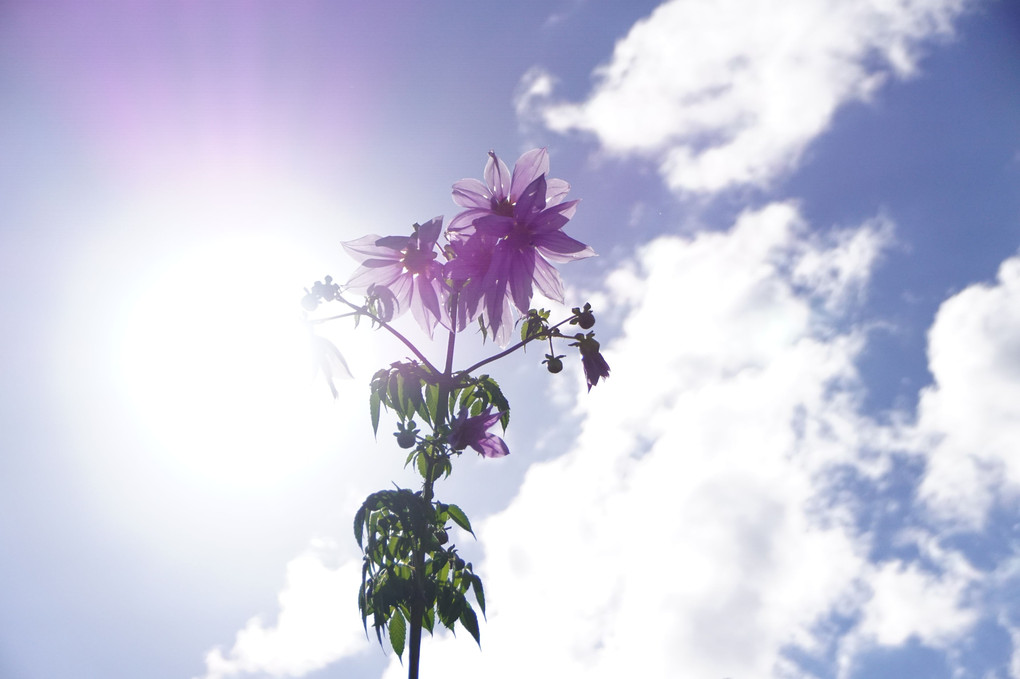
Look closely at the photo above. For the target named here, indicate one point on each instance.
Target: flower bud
(553, 364)
(405, 438)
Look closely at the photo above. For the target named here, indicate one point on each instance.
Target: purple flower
(592, 361)
(472, 259)
(407, 267)
(471, 431)
(520, 218)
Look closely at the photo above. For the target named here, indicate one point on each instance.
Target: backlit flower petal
(368, 246)
(521, 273)
(428, 233)
(555, 191)
(554, 218)
(497, 176)
(559, 247)
(491, 446)
(548, 280)
(531, 201)
(529, 167)
(471, 193)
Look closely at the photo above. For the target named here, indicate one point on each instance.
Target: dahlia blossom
(407, 267)
(518, 219)
(471, 431)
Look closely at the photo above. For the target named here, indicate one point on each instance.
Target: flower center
(417, 261)
(504, 208)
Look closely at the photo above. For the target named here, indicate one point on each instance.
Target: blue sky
(803, 465)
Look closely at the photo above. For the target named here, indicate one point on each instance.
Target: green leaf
(460, 518)
(393, 392)
(476, 587)
(359, 523)
(373, 403)
(470, 622)
(423, 464)
(495, 395)
(431, 403)
(429, 620)
(447, 606)
(398, 633)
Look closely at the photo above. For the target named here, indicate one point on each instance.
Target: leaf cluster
(409, 390)
(391, 526)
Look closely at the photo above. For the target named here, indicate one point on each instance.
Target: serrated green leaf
(470, 622)
(393, 391)
(476, 587)
(460, 518)
(429, 620)
(431, 403)
(398, 633)
(495, 395)
(446, 606)
(465, 396)
(423, 464)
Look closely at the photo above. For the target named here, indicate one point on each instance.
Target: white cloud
(725, 93)
(691, 525)
(685, 527)
(969, 419)
(316, 624)
(908, 602)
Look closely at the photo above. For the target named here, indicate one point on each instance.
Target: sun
(215, 358)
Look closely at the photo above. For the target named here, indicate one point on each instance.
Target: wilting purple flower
(407, 267)
(520, 217)
(592, 361)
(471, 431)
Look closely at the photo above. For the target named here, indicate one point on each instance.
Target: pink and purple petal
(368, 246)
(557, 246)
(555, 191)
(529, 167)
(497, 176)
(553, 218)
(471, 193)
(548, 280)
(491, 446)
(428, 233)
(366, 276)
(531, 200)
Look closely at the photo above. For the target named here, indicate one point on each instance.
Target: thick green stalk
(442, 415)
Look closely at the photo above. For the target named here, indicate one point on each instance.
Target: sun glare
(217, 362)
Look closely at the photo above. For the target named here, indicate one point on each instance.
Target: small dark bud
(405, 438)
(442, 537)
(553, 364)
(583, 317)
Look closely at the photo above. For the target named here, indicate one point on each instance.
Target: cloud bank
(729, 93)
(697, 526)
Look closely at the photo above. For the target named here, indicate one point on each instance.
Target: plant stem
(442, 415)
(505, 352)
(393, 331)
